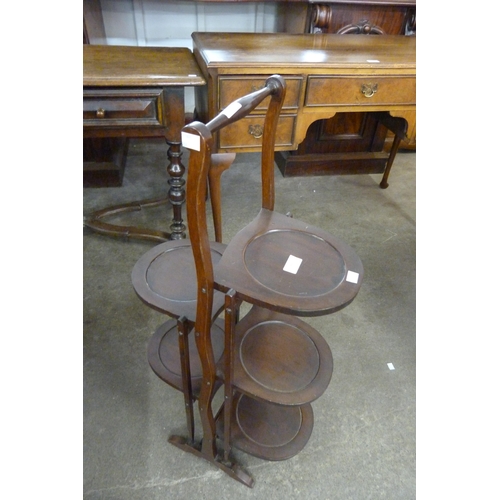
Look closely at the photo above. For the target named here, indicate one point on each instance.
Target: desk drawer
(248, 133)
(108, 108)
(232, 88)
(362, 91)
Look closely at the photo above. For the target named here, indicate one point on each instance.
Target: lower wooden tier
(164, 354)
(266, 430)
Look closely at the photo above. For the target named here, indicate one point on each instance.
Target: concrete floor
(363, 442)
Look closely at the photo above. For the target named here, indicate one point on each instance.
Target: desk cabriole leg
(398, 126)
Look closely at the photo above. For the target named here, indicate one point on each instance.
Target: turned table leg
(176, 193)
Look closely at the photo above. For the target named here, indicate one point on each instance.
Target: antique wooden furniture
(139, 92)
(350, 132)
(325, 74)
(274, 364)
(164, 278)
(382, 17)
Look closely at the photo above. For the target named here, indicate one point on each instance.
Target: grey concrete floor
(363, 444)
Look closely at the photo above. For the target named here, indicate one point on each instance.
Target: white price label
(292, 264)
(190, 141)
(231, 109)
(352, 277)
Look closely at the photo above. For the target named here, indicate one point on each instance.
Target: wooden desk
(139, 92)
(325, 74)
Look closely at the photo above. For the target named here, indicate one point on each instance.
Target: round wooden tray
(280, 358)
(325, 268)
(165, 278)
(290, 266)
(266, 430)
(164, 357)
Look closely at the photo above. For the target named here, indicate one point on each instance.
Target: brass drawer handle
(100, 113)
(256, 131)
(369, 89)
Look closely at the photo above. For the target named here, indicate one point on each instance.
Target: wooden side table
(350, 132)
(139, 92)
(325, 74)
